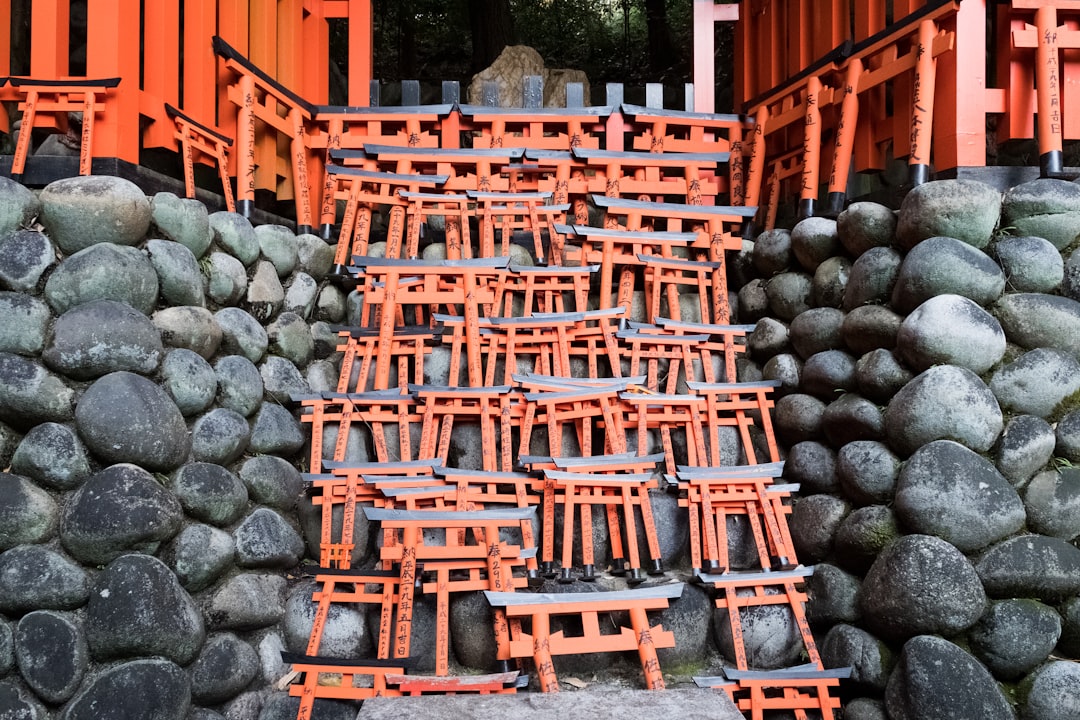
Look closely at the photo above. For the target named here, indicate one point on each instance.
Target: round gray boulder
(772, 252)
(137, 607)
(248, 601)
(226, 279)
(272, 481)
(33, 577)
(827, 373)
(816, 330)
(281, 379)
(830, 282)
(1036, 382)
(240, 386)
(26, 323)
(189, 380)
(1026, 445)
(101, 337)
(242, 334)
(18, 206)
(290, 337)
(813, 466)
(879, 374)
(867, 471)
(265, 295)
(950, 330)
(135, 690)
(769, 337)
(210, 493)
(182, 220)
(1014, 636)
(52, 455)
(25, 255)
(1034, 320)
(234, 234)
(850, 418)
(265, 540)
(964, 209)
(1052, 501)
(920, 584)
(1031, 264)
(864, 226)
(220, 436)
(785, 369)
(28, 514)
(199, 556)
(832, 596)
(345, 634)
(945, 265)
(813, 241)
(1047, 208)
(30, 394)
(301, 295)
(191, 328)
(871, 327)
(789, 294)
(103, 272)
(278, 245)
(225, 666)
(1032, 566)
(813, 523)
(797, 417)
(1053, 692)
(124, 417)
(52, 655)
(1070, 282)
(82, 211)
(936, 679)
(179, 277)
(871, 661)
(314, 255)
(943, 403)
(752, 302)
(1067, 436)
(120, 509)
(770, 636)
(949, 491)
(872, 278)
(862, 535)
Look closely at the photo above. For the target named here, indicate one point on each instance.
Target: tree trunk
(662, 56)
(492, 28)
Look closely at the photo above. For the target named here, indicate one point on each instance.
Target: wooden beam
(112, 51)
(361, 53)
(49, 43)
(961, 103)
(161, 68)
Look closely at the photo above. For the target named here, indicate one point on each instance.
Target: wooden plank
(200, 26)
(961, 102)
(161, 67)
(49, 48)
(111, 52)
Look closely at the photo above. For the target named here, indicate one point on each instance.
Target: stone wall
(930, 368)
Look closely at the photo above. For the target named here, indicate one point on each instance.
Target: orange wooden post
(960, 120)
(755, 178)
(845, 140)
(922, 104)
(361, 47)
(262, 34)
(811, 153)
(161, 68)
(245, 147)
(5, 50)
(49, 39)
(200, 68)
(1048, 79)
(233, 29)
(22, 147)
(111, 51)
(706, 14)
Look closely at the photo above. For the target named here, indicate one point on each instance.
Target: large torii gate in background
(706, 14)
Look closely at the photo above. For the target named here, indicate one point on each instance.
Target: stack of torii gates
(569, 395)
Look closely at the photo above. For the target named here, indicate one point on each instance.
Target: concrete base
(598, 704)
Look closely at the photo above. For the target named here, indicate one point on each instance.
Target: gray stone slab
(598, 704)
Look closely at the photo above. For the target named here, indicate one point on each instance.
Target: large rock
(1032, 566)
(226, 279)
(242, 334)
(797, 417)
(224, 667)
(278, 245)
(813, 466)
(52, 455)
(82, 211)
(789, 294)
(301, 294)
(28, 514)
(851, 418)
(943, 403)
(832, 596)
(265, 540)
(1033, 320)
(192, 328)
(508, 71)
(33, 577)
(1052, 500)
(315, 256)
(1047, 208)
(772, 252)
(136, 690)
(1026, 445)
(870, 660)
(120, 509)
(137, 608)
(872, 278)
(869, 328)
(240, 386)
(26, 322)
(30, 394)
(813, 241)
(1031, 264)
(879, 374)
(101, 337)
(17, 703)
(25, 255)
(949, 491)
(124, 417)
(945, 265)
(830, 282)
(1053, 692)
(813, 524)
(234, 235)
(52, 654)
(950, 330)
(1036, 382)
(103, 272)
(200, 555)
(363, 538)
(824, 374)
(281, 379)
(189, 380)
(265, 295)
(272, 481)
(211, 493)
(770, 636)
(220, 436)
(963, 209)
(862, 535)
(18, 206)
(179, 277)
(247, 601)
(1067, 436)
(785, 369)
(867, 471)
(936, 679)
(290, 337)
(345, 634)
(1014, 636)
(921, 584)
(864, 226)
(182, 220)
(816, 330)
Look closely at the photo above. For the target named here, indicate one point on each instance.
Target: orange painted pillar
(361, 42)
(262, 34)
(245, 148)
(845, 140)
(49, 48)
(5, 56)
(706, 14)
(808, 190)
(112, 50)
(922, 104)
(960, 119)
(161, 68)
(315, 87)
(233, 29)
(200, 26)
(756, 173)
(1048, 82)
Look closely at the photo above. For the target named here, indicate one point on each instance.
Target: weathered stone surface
(30, 394)
(865, 225)
(330, 305)
(234, 234)
(789, 294)
(291, 338)
(830, 282)
(833, 596)
(300, 296)
(210, 493)
(813, 241)
(1052, 501)
(314, 256)
(1014, 636)
(124, 417)
(1034, 320)
(18, 206)
(1032, 566)
(240, 386)
(19, 704)
(281, 379)
(346, 633)
(192, 328)
(265, 295)
(120, 509)
(813, 466)
(1053, 692)
(189, 380)
(813, 523)
(28, 514)
(945, 265)
(950, 330)
(1067, 437)
(870, 660)
(862, 535)
(272, 481)
(1026, 445)
(276, 432)
(310, 516)
(52, 455)
(879, 375)
(26, 322)
(962, 209)
(247, 601)
(82, 211)
(226, 279)
(200, 555)
(770, 635)
(51, 652)
(816, 330)
(797, 417)
(242, 334)
(920, 584)
(1036, 382)
(772, 252)
(265, 540)
(33, 577)
(785, 369)
(278, 245)
(25, 255)
(769, 337)
(179, 278)
(137, 607)
(9, 442)
(321, 376)
(1031, 264)
(752, 302)
(1047, 208)
(949, 491)
(101, 337)
(220, 436)
(7, 655)
(135, 690)
(936, 679)
(182, 220)
(850, 418)
(867, 471)
(943, 403)
(826, 373)
(224, 667)
(872, 278)
(869, 328)
(103, 272)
